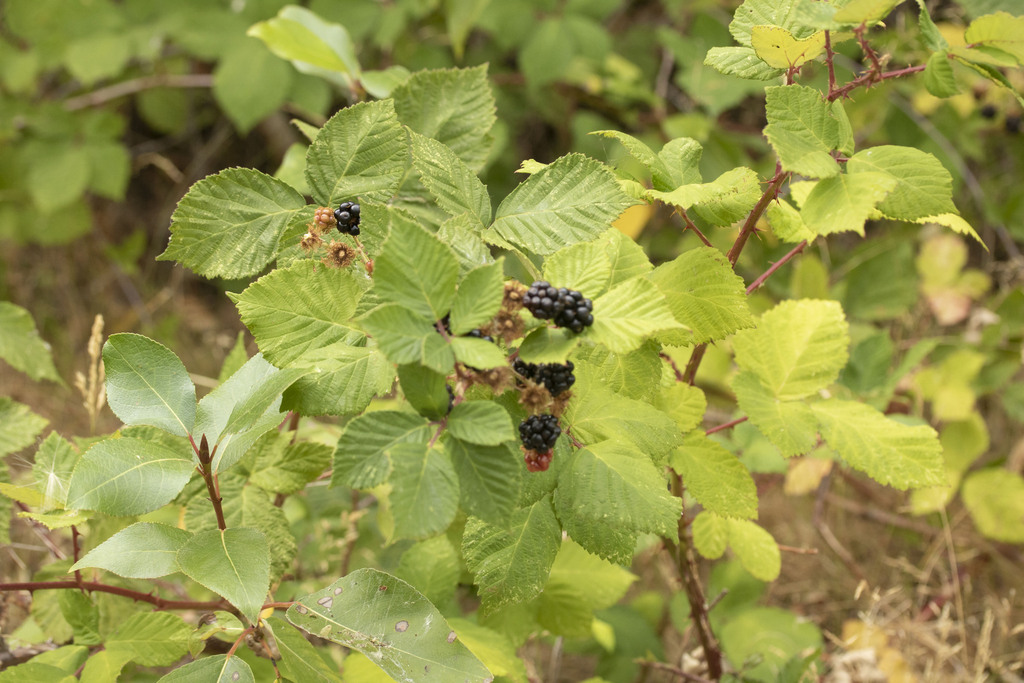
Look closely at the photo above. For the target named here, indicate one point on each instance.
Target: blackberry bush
(539, 432)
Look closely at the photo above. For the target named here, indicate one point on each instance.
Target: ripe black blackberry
(539, 432)
(556, 378)
(565, 307)
(347, 216)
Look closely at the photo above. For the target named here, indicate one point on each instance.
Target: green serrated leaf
(802, 130)
(574, 199)
(723, 201)
(704, 293)
(452, 106)
(151, 638)
(229, 223)
(360, 153)
(715, 477)
(52, 468)
(635, 375)
(480, 422)
(279, 466)
(145, 550)
(148, 385)
(303, 307)
(661, 177)
(233, 563)
(789, 425)
(128, 476)
(610, 489)
(22, 347)
(19, 426)
(585, 267)
(742, 62)
(489, 479)
(939, 77)
(710, 534)
(787, 223)
(843, 203)
(547, 345)
(478, 298)
(629, 312)
(921, 184)
(344, 381)
(362, 458)
(798, 347)
(82, 613)
(424, 490)
(511, 562)
(452, 183)
(463, 238)
(683, 403)
(406, 337)
(756, 549)
(417, 271)
(753, 13)
(392, 624)
(1001, 31)
(426, 390)
(889, 452)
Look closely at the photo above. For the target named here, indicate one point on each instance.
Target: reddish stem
(727, 425)
(690, 225)
(138, 596)
(775, 266)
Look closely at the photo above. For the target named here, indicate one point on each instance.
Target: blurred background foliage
(109, 111)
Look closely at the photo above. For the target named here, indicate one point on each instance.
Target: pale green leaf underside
(417, 271)
(489, 479)
(228, 224)
(391, 623)
(723, 201)
(742, 62)
(755, 547)
(789, 425)
(454, 186)
(585, 267)
(19, 426)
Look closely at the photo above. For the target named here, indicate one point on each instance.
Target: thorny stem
(870, 78)
(775, 266)
(75, 552)
(829, 60)
(686, 563)
(367, 261)
(690, 225)
(351, 534)
(675, 670)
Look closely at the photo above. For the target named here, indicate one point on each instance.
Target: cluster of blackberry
(347, 216)
(556, 378)
(564, 307)
(480, 335)
(539, 434)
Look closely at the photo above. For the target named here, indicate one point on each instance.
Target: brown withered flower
(339, 255)
(535, 397)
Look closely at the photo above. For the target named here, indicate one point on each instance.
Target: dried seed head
(558, 404)
(310, 241)
(535, 397)
(513, 298)
(506, 325)
(339, 255)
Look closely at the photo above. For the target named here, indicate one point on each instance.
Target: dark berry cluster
(564, 307)
(556, 378)
(539, 432)
(477, 334)
(347, 216)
